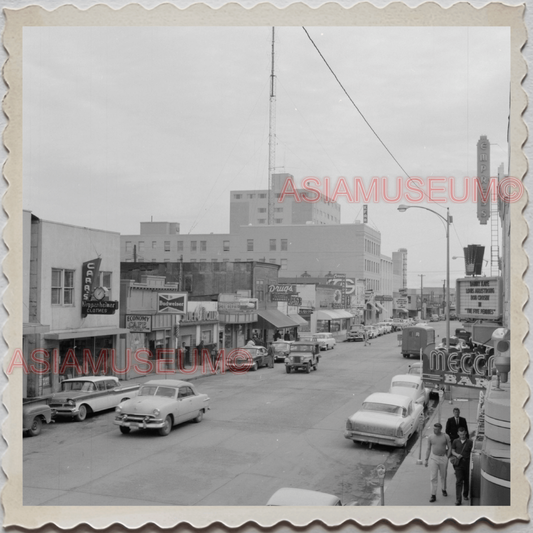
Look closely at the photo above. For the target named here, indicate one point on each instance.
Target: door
(186, 404)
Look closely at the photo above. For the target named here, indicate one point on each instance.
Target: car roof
(413, 378)
(386, 397)
(169, 382)
(299, 343)
(90, 378)
(291, 496)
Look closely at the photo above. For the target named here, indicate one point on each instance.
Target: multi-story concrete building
(251, 206)
(399, 262)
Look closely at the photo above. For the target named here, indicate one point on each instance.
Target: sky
(130, 124)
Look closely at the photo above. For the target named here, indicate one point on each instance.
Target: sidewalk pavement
(185, 374)
(410, 485)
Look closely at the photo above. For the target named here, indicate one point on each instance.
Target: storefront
(335, 321)
(238, 315)
(271, 320)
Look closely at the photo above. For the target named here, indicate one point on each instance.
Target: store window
(62, 287)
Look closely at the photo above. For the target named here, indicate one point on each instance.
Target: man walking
(270, 355)
(454, 423)
(365, 333)
(462, 448)
(439, 449)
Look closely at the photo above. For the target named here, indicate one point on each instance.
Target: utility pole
(272, 138)
(421, 296)
(444, 297)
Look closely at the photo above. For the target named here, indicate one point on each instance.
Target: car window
(111, 384)
(147, 390)
(390, 409)
(166, 392)
(87, 387)
(100, 385)
(407, 384)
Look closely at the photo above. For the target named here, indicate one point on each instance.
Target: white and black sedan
(161, 404)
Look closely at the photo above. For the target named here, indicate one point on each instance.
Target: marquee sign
(483, 176)
(479, 298)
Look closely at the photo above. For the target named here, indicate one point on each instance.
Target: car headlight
(118, 409)
(399, 432)
(156, 412)
(71, 402)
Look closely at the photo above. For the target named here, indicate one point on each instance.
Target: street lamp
(402, 208)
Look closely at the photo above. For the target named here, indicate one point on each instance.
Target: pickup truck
(35, 413)
(356, 333)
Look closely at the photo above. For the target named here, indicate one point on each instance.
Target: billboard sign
(479, 298)
(139, 323)
(172, 302)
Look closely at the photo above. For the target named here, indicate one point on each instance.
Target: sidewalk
(187, 374)
(410, 485)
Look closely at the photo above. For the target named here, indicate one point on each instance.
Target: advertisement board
(479, 298)
(172, 302)
(139, 323)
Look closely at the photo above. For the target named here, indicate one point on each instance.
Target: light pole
(402, 208)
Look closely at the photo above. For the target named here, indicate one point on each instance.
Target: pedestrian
(270, 355)
(365, 333)
(461, 450)
(439, 449)
(199, 351)
(287, 336)
(454, 423)
(277, 335)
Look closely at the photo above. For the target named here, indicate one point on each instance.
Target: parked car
(372, 332)
(434, 318)
(455, 344)
(411, 386)
(355, 333)
(34, 415)
(291, 496)
(161, 404)
(253, 357)
(89, 394)
(325, 341)
(385, 418)
(281, 349)
(303, 356)
(432, 392)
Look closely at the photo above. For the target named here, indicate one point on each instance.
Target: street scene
(267, 266)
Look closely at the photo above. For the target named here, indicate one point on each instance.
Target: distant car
(463, 334)
(34, 415)
(411, 386)
(372, 332)
(161, 404)
(455, 343)
(253, 357)
(442, 317)
(297, 497)
(303, 356)
(355, 333)
(325, 341)
(431, 392)
(89, 394)
(385, 418)
(281, 349)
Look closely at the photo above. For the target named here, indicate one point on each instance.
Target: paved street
(265, 430)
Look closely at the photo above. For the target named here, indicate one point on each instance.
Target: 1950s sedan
(385, 418)
(34, 415)
(90, 394)
(411, 386)
(161, 404)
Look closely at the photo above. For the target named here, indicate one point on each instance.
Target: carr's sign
(139, 323)
(172, 302)
(479, 298)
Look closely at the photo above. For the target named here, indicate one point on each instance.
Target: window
(128, 246)
(203, 246)
(278, 220)
(273, 261)
(237, 196)
(62, 287)
(278, 209)
(166, 260)
(154, 244)
(262, 210)
(226, 260)
(226, 246)
(203, 260)
(284, 264)
(214, 260)
(262, 195)
(272, 245)
(278, 195)
(104, 280)
(193, 246)
(237, 260)
(251, 196)
(250, 245)
(260, 290)
(180, 246)
(141, 246)
(261, 220)
(284, 245)
(167, 246)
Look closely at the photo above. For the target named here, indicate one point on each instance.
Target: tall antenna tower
(272, 138)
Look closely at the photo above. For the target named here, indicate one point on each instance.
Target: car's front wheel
(308, 368)
(124, 430)
(200, 416)
(167, 426)
(254, 367)
(36, 427)
(82, 413)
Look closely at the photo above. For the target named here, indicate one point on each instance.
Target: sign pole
(380, 470)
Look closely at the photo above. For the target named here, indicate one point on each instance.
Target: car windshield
(302, 348)
(395, 410)
(85, 386)
(154, 390)
(408, 384)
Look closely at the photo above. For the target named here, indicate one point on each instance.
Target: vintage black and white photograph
(270, 265)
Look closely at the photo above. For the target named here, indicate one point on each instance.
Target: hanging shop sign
(139, 323)
(172, 302)
(96, 307)
(479, 298)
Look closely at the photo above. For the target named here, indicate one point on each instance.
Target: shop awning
(322, 314)
(373, 306)
(297, 318)
(81, 333)
(341, 313)
(380, 307)
(277, 318)
(402, 310)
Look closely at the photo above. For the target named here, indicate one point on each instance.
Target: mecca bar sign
(479, 298)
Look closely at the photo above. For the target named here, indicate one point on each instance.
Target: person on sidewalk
(271, 355)
(365, 334)
(454, 423)
(439, 449)
(462, 448)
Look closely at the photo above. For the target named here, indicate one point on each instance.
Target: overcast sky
(125, 124)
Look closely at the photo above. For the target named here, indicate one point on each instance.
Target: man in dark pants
(454, 423)
(462, 448)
